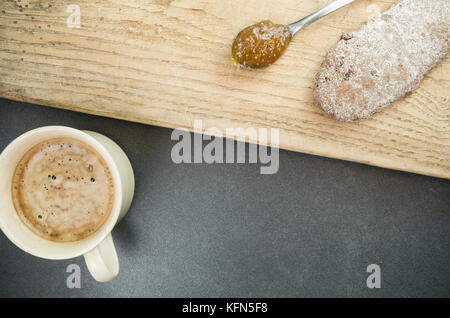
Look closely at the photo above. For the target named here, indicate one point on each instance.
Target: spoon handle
(300, 24)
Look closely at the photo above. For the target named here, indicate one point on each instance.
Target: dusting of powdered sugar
(384, 60)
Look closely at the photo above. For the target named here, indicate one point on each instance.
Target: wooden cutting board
(167, 63)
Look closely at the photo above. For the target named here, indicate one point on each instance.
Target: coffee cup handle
(102, 261)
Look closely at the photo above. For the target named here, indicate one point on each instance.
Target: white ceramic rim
(76, 248)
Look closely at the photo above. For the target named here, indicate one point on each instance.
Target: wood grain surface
(167, 63)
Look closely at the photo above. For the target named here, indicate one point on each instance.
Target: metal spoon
(300, 24)
(261, 44)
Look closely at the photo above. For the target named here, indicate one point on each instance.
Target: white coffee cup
(98, 249)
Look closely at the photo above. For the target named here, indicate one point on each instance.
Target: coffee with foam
(63, 190)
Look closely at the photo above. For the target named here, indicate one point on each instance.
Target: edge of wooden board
(432, 172)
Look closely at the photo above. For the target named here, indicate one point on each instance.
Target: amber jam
(260, 44)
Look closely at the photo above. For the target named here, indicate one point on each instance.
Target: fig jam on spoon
(261, 44)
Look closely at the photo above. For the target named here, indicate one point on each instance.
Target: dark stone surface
(224, 230)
